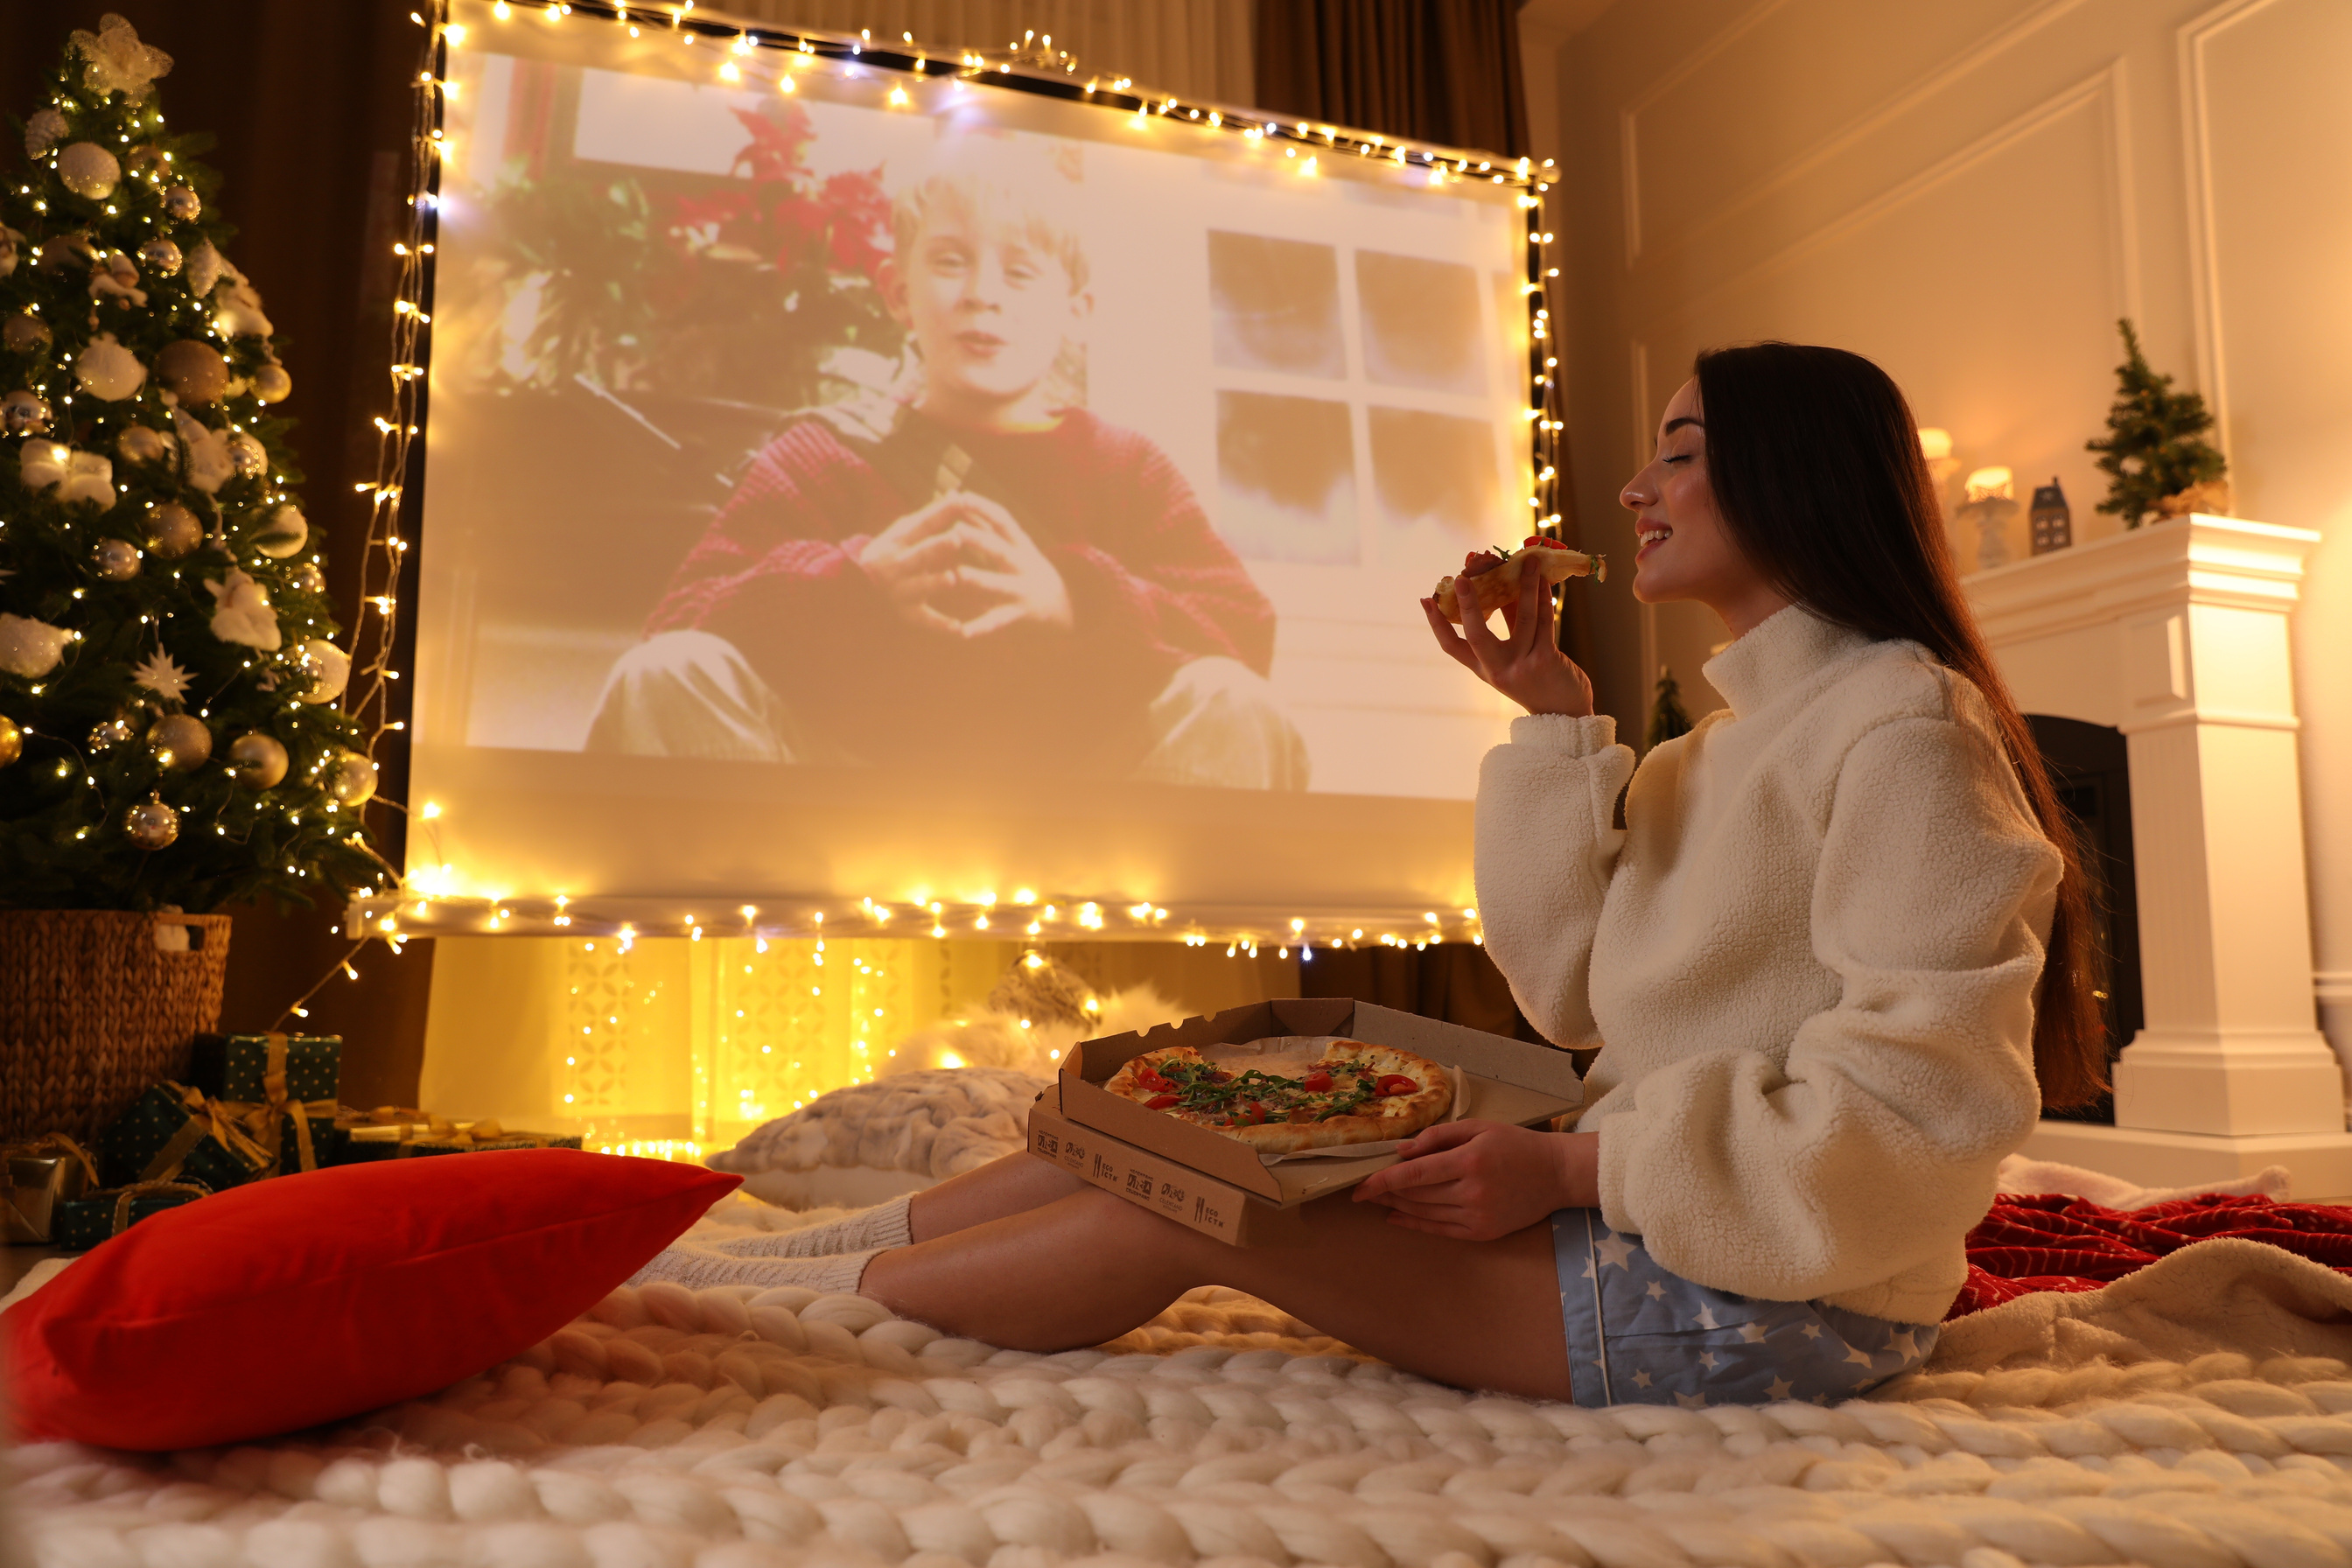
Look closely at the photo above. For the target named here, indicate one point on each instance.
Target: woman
(1830, 943)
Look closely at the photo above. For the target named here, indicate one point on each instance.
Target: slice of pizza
(1492, 587)
(1355, 1092)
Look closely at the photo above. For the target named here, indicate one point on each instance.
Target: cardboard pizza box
(1163, 1185)
(1503, 1080)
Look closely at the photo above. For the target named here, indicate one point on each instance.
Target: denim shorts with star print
(1639, 1335)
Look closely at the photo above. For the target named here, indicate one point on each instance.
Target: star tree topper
(118, 62)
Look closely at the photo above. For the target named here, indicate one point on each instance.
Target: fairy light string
(1032, 64)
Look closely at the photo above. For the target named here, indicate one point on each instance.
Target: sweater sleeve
(1876, 1145)
(1547, 846)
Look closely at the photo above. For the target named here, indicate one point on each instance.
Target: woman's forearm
(1578, 1157)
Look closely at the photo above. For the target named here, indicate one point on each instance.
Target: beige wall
(1971, 191)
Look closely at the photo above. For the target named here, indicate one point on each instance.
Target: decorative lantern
(2052, 520)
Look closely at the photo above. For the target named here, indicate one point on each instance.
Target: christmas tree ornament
(181, 742)
(44, 128)
(42, 464)
(193, 369)
(111, 733)
(164, 677)
(286, 534)
(118, 62)
(352, 779)
(183, 204)
(11, 741)
(24, 334)
(116, 560)
(142, 444)
(89, 169)
(246, 454)
(241, 612)
(9, 240)
(328, 668)
(160, 256)
(205, 263)
(309, 579)
(257, 761)
(110, 372)
(173, 531)
(25, 413)
(151, 825)
(29, 648)
(236, 307)
(208, 466)
(88, 477)
(271, 384)
(2052, 520)
(114, 277)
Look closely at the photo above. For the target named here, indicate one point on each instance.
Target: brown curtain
(1435, 70)
(311, 104)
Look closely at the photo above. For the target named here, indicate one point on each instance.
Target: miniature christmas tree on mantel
(2155, 448)
(168, 670)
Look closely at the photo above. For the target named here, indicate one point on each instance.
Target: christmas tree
(1669, 717)
(2154, 449)
(168, 733)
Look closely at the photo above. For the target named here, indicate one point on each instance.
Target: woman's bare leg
(1089, 1267)
(1014, 1185)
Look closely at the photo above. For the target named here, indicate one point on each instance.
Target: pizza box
(1503, 1080)
(1167, 1186)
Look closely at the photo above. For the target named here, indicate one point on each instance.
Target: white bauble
(141, 444)
(352, 779)
(287, 532)
(247, 454)
(329, 669)
(90, 170)
(271, 384)
(29, 648)
(108, 371)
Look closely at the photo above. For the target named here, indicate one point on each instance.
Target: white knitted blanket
(726, 1429)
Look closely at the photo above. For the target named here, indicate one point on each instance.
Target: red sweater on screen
(1151, 588)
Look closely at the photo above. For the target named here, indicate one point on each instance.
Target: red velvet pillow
(311, 1298)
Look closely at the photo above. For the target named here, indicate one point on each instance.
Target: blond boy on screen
(978, 571)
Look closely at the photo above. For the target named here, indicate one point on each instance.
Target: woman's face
(1687, 551)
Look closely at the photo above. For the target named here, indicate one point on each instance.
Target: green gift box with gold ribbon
(77, 1225)
(268, 1068)
(172, 1133)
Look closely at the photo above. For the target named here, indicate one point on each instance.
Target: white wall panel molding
(1870, 126)
(2196, 39)
(1629, 116)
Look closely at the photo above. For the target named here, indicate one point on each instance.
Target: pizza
(1351, 1092)
(1495, 583)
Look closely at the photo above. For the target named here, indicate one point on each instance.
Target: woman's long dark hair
(1816, 467)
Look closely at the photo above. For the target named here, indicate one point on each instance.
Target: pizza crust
(1391, 1119)
(1499, 585)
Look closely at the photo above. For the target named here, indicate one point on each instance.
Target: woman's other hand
(1526, 664)
(1477, 1181)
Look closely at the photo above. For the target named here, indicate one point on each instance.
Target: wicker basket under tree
(169, 733)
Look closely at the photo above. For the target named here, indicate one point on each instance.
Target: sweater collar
(1777, 654)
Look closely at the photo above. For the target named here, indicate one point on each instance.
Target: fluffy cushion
(316, 1297)
(931, 1124)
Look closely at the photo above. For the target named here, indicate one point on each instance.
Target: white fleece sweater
(1809, 956)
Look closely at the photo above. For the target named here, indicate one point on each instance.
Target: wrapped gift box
(77, 1225)
(395, 1137)
(268, 1068)
(172, 1133)
(38, 1176)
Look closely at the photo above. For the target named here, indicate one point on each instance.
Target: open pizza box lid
(1502, 1079)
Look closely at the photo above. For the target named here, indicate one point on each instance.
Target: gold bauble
(160, 256)
(271, 384)
(182, 742)
(182, 203)
(24, 334)
(194, 371)
(11, 741)
(151, 825)
(24, 413)
(173, 531)
(352, 779)
(116, 559)
(257, 761)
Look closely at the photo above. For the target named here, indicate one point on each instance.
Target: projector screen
(843, 483)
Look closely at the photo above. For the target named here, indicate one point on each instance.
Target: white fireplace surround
(2177, 634)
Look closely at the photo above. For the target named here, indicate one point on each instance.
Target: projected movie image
(795, 426)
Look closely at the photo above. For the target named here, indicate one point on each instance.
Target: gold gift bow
(261, 1118)
(207, 1119)
(136, 1190)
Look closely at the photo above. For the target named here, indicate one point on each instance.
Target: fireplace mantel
(2175, 633)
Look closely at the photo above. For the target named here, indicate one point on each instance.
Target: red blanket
(2056, 1243)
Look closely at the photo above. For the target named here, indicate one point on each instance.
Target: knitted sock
(835, 1274)
(869, 1230)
